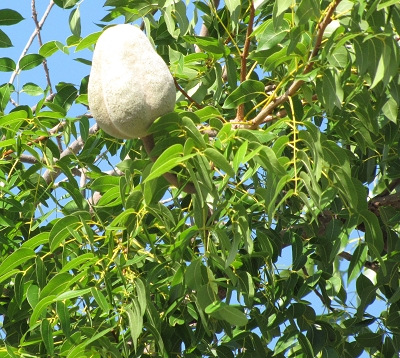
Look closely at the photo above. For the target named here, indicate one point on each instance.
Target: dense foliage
(284, 145)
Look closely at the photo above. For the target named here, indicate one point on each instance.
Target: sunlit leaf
(246, 91)
(30, 61)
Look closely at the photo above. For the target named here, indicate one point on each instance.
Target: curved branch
(256, 121)
(243, 60)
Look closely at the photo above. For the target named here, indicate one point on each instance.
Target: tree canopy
(268, 196)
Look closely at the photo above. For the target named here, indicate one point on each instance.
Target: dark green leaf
(247, 91)
(9, 17)
(7, 64)
(219, 161)
(17, 258)
(30, 61)
(4, 40)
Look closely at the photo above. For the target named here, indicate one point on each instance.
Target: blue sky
(62, 67)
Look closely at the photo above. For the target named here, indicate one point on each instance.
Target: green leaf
(85, 259)
(270, 36)
(141, 295)
(373, 232)
(56, 285)
(281, 6)
(88, 41)
(5, 94)
(75, 22)
(39, 308)
(4, 40)
(332, 91)
(32, 89)
(66, 96)
(194, 274)
(390, 110)
(63, 315)
(17, 258)
(247, 91)
(306, 346)
(208, 44)
(286, 341)
(193, 132)
(181, 18)
(62, 230)
(220, 161)
(307, 10)
(7, 64)
(36, 241)
(370, 339)
(84, 61)
(50, 48)
(72, 294)
(135, 322)
(46, 331)
(232, 315)
(100, 299)
(32, 295)
(167, 160)
(387, 3)
(77, 350)
(239, 155)
(66, 4)
(357, 261)
(9, 17)
(30, 61)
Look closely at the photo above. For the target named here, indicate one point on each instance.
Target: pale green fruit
(130, 85)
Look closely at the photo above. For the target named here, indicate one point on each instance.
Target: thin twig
(269, 118)
(29, 43)
(39, 36)
(41, 139)
(180, 89)
(368, 264)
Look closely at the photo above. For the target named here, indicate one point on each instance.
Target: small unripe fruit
(130, 85)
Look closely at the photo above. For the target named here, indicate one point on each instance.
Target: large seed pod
(130, 85)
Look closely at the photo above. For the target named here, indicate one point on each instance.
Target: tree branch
(243, 60)
(29, 43)
(256, 121)
(39, 36)
(191, 100)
